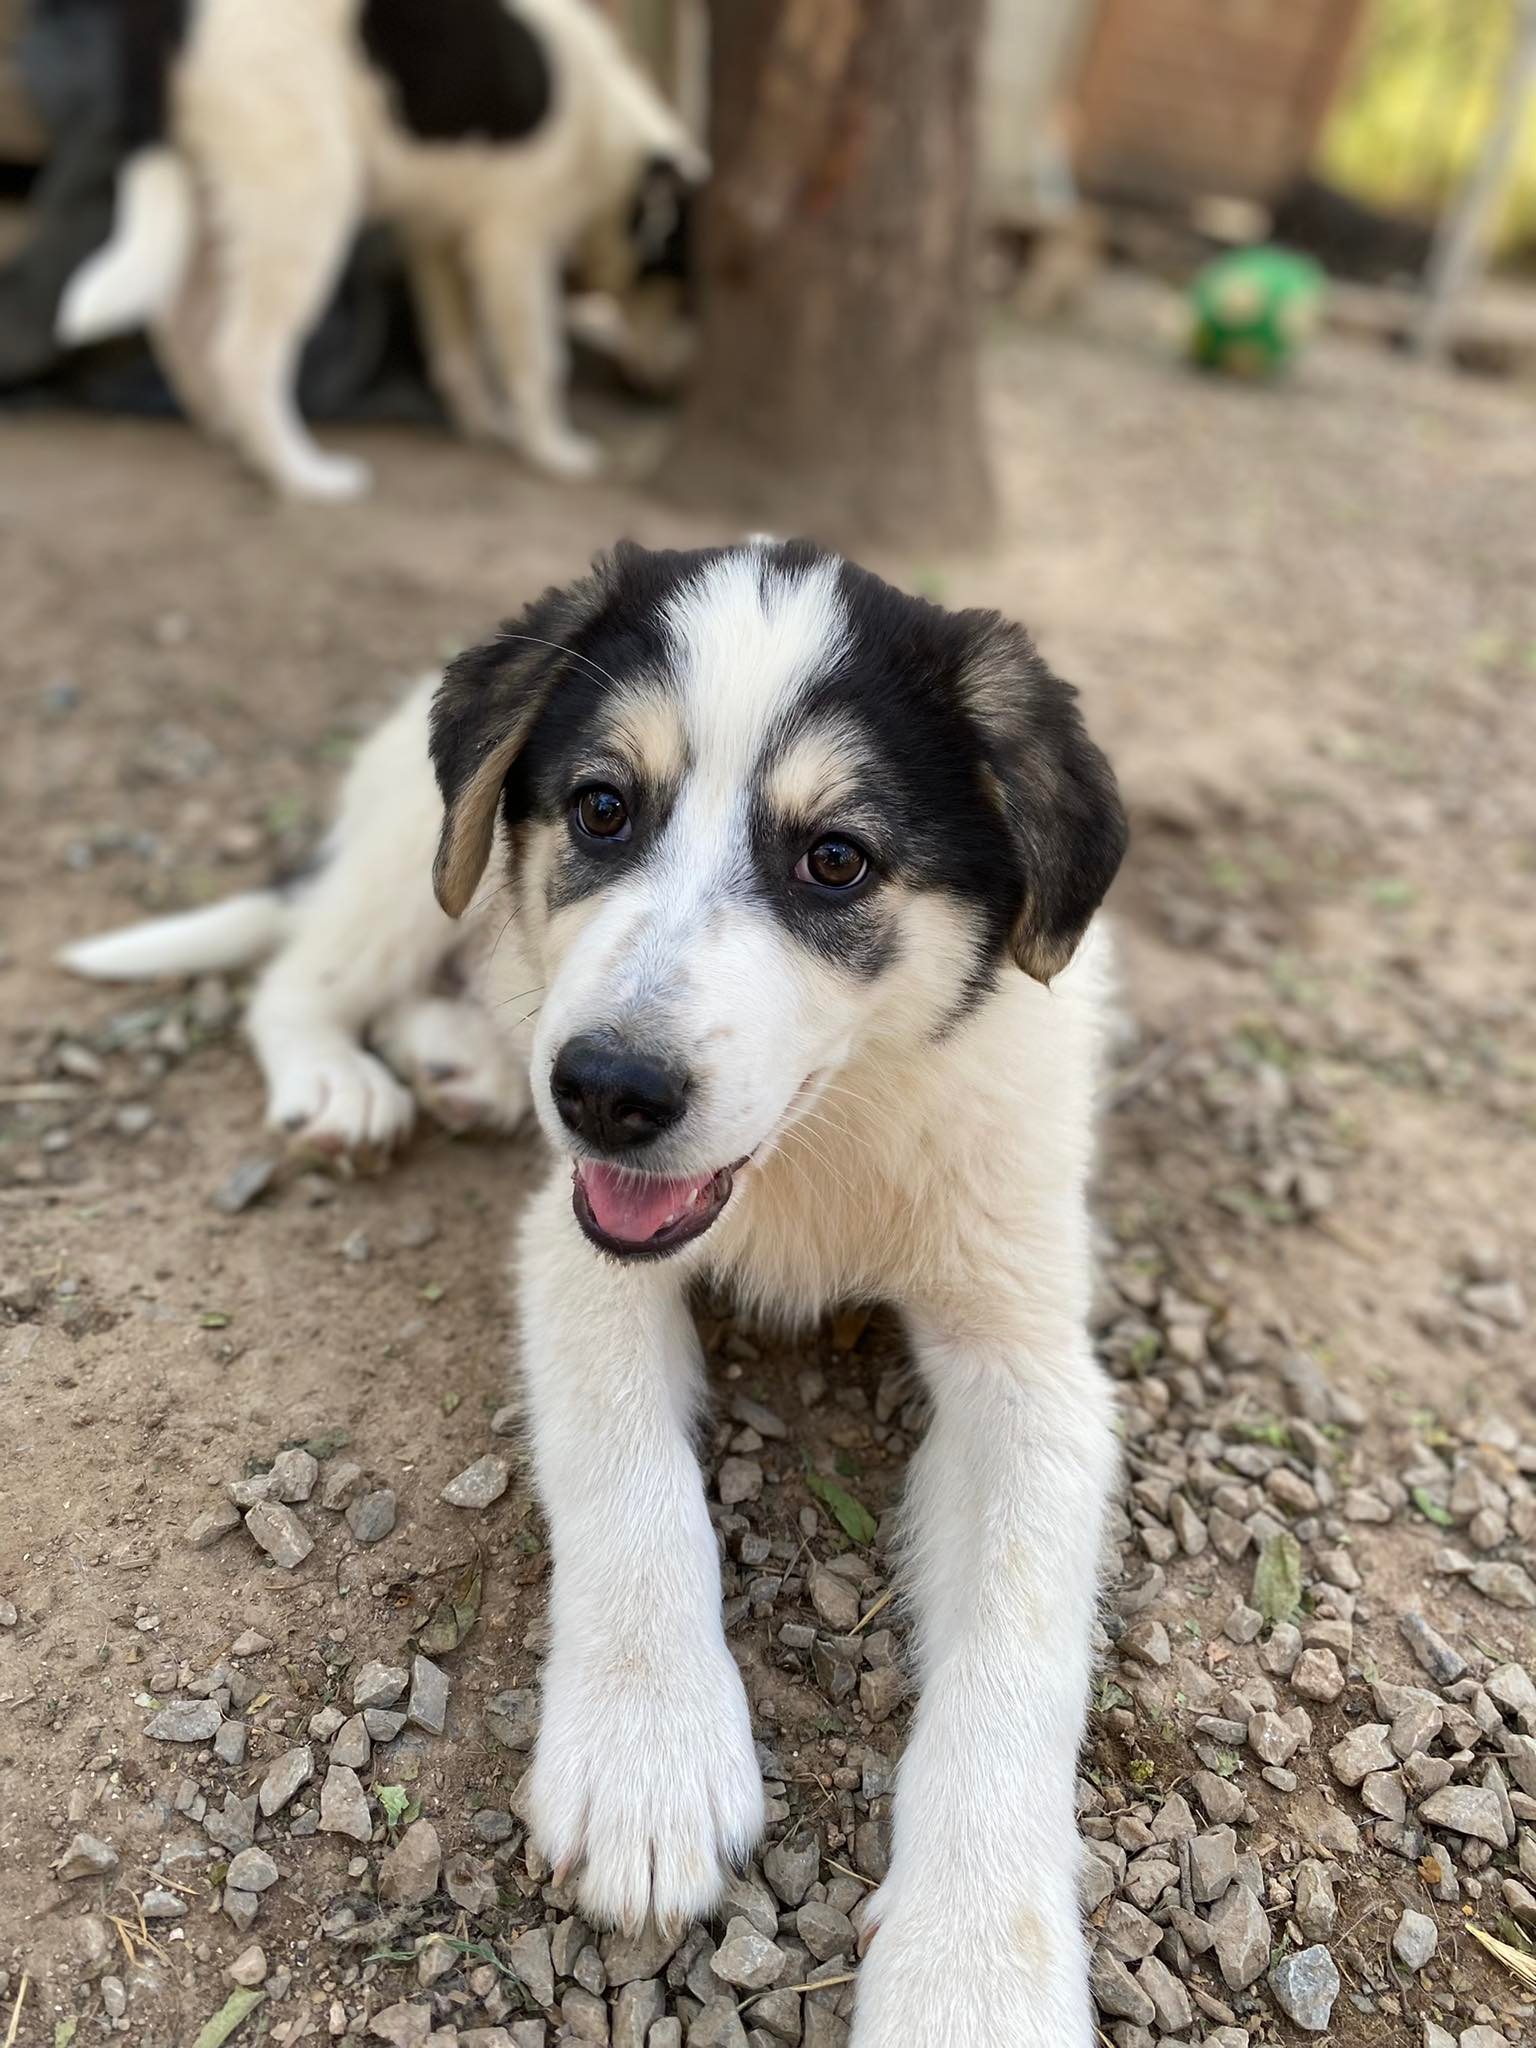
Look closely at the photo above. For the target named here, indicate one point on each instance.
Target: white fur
(131, 278)
(230, 241)
(944, 1172)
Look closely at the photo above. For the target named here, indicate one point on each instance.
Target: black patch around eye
(461, 70)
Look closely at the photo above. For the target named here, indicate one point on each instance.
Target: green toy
(1254, 311)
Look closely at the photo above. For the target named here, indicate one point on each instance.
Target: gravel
(478, 1485)
(379, 1685)
(410, 1871)
(86, 1856)
(1305, 1986)
(428, 1704)
(284, 1776)
(186, 1721)
(371, 1516)
(279, 1532)
(344, 1805)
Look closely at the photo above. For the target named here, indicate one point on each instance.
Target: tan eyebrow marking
(647, 724)
(817, 772)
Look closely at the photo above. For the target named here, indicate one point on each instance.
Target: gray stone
(1116, 1991)
(241, 1908)
(371, 1516)
(740, 1479)
(378, 1685)
(86, 1856)
(403, 2026)
(344, 1805)
(352, 1746)
(584, 2016)
(1305, 1986)
(634, 2010)
(157, 1904)
(285, 1774)
(834, 1598)
(409, 1873)
(252, 1871)
(825, 1932)
(1171, 2002)
(512, 1717)
(754, 1901)
(1316, 1675)
(1415, 1939)
(667, 2033)
(478, 1485)
(1361, 1751)
(186, 1721)
(1317, 1907)
(1212, 1864)
(1240, 1937)
(382, 1725)
(229, 1743)
(790, 1866)
(717, 2026)
(209, 1526)
(1508, 1585)
(471, 1884)
(233, 1827)
(529, 1956)
(779, 2014)
(746, 1959)
(247, 1183)
(341, 1483)
(1432, 1651)
(1221, 1799)
(628, 1957)
(293, 1475)
(1466, 1810)
(250, 1966)
(428, 1705)
(280, 1533)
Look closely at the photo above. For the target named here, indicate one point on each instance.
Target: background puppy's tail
(135, 272)
(235, 933)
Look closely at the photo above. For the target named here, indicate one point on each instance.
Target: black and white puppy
(802, 977)
(496, 135)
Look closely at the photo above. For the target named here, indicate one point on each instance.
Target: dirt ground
(1304, 621)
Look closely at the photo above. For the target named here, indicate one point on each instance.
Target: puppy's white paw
(648, 1785)
(340, 1100)
(561, 452)
(325, 479)
(951, 1968)
(463, 1070)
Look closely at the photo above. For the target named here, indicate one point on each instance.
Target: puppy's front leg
(645, 1778)
(977, 1937)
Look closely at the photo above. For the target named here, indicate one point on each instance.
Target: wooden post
(1461, 244)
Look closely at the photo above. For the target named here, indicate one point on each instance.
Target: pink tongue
(633, 1210)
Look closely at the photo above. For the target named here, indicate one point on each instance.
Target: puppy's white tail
(235, 933)
(135, 272)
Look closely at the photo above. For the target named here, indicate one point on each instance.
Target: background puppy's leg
(977, 1929)
(283, 226)
(645, 1775)
(517, 283)
(451, 337)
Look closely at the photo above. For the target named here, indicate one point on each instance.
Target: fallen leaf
(1431, 1509)
(237, 2007)
(1277, 1578)
(453, 1617)
(395, 1800)
(853, 1517)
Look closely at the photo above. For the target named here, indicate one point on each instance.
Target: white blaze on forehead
(746, 640)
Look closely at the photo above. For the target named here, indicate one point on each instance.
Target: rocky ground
(271, 1578)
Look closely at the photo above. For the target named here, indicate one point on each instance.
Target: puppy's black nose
(614, 1098)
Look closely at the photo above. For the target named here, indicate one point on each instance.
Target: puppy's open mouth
(637, 1216)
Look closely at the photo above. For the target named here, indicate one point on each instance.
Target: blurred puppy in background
(498, 136)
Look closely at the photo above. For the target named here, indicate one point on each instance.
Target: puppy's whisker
(560, 648)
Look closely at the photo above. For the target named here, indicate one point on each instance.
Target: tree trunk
(837, 387)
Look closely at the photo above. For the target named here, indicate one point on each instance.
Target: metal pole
(1461, 243)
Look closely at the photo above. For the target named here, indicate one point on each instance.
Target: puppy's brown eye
(833, 864)
(602, 814)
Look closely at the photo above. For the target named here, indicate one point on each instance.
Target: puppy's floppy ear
(484, 710)
(1055, 789)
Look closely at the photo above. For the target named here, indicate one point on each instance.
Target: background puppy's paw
(326, 479)
(654, 1796)
(561, 452)
(341, 1101)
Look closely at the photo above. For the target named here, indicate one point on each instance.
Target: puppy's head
(761, 810)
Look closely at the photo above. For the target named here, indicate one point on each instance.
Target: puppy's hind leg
(283, 227)
(447, 317)
(367, 937)
(518, 288)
